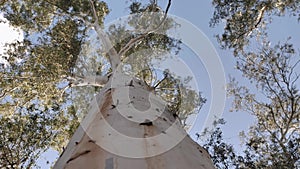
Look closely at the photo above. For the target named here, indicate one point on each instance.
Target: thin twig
(258, 21)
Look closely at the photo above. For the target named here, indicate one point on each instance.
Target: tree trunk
(153, 140)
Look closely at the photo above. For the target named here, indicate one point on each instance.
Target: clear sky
(199, 12)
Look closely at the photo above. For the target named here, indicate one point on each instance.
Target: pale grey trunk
(83, 150)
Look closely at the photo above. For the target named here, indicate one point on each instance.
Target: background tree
(45, 73)
(274, 140)
(274, 98)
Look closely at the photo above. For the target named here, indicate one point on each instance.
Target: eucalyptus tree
(274, 140)
(273, 73)
(127, 125)
(65, 59)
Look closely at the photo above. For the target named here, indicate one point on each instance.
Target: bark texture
(83, 150)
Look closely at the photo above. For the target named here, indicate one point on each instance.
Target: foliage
(222, 153)
(247, 18)
(20, 145)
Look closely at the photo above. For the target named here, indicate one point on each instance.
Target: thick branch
(88, 81)
(114, 58)
(96, 81)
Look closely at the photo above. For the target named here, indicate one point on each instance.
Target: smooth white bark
(84, 149)
(91, 81)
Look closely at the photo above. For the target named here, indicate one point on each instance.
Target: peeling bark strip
(146, 123)
(83, 153)
(109, 163)
(92, 141)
